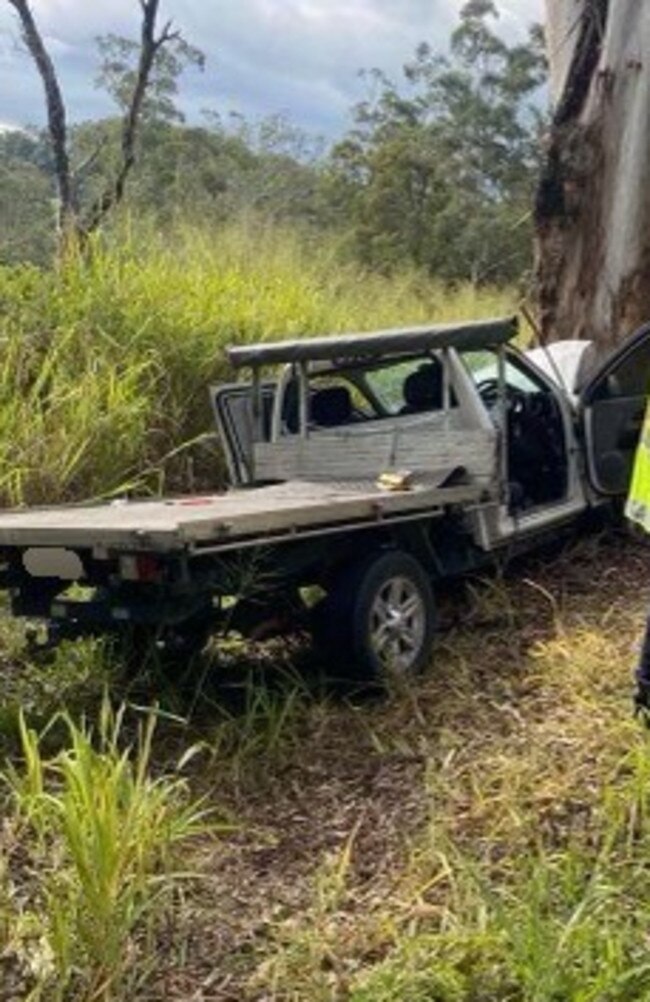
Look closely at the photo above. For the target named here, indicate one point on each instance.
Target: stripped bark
(75, 226)
(56, 115)
(593, 201)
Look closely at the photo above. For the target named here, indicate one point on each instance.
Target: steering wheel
(489, 391)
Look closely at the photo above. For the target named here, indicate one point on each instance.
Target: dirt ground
(330, 814)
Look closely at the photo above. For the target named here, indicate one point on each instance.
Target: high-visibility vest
(637, 507)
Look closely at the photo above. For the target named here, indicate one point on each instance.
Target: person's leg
(642, 695)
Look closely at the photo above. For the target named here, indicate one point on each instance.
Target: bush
(96, 840)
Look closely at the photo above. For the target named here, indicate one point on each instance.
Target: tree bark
(593, 202)
(56, 116)
(150, 45)
(76, 227)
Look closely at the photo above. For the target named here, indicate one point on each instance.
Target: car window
(483, 367)
(334, 401)
(360, 402)
(368, 392)
(410, 386)
(387, 383)
(629, 378)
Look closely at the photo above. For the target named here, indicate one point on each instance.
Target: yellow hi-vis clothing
(637, 508)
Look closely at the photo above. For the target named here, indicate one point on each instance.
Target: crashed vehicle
(366, 470)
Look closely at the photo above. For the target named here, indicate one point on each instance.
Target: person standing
(637, 510)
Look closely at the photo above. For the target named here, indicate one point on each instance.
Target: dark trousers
(643, 671)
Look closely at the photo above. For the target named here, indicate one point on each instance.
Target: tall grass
(96, 841)
(105, 365)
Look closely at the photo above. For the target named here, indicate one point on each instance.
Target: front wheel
(381, 614)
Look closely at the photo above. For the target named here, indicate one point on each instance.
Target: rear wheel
(380, 614)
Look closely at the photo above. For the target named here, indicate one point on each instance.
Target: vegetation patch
(106, 365)
(90, 858)
(482, 834)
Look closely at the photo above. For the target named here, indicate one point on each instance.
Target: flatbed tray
(219, 521)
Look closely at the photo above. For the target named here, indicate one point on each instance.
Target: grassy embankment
(105, 368)
(480, 837)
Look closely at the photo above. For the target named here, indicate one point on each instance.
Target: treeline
(437, 170)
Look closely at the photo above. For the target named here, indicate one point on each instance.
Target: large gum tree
(593, 202)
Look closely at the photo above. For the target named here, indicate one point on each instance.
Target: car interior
(536, 438)
(408, 386)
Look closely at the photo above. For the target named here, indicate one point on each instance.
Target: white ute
(374, 466)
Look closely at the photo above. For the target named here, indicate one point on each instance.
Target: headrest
(331, 406)
(423, 389)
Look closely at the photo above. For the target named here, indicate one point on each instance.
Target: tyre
(381, 615)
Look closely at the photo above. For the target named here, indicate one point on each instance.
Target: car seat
(423, 389)
(331, 406)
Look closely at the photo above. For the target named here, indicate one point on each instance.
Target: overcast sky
(297, 57)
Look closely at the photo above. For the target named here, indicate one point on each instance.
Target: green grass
(480, 836)
(106, 365)
(91, 856)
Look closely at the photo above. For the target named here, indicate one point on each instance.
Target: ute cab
(544, 434)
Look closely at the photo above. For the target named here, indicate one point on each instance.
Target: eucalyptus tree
(440, 169)
(593, 202)
(148, 83)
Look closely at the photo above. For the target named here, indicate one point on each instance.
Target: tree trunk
(56, 117)
(75, 227)
(593, 202)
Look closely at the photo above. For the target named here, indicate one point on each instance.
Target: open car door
(233, 411)
(612, 406)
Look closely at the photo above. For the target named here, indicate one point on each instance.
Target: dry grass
(480, 836)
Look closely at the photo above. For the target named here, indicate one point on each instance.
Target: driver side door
(232, 405)
(612, 406)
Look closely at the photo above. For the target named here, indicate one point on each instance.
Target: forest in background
(437, 170)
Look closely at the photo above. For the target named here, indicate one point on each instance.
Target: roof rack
(472, 336)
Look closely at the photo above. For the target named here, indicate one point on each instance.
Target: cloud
(301, 57)
(305, 55)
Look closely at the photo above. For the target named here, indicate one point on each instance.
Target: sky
(299, 58)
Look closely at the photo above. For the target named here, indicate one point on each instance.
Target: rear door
(233, 411)
(612, 406)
